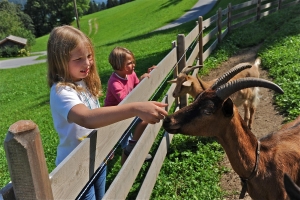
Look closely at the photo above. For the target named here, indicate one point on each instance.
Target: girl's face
(80, 62)
(129, 64)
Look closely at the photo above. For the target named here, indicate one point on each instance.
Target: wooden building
(12, 40)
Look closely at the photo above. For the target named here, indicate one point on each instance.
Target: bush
(9, 51)
(23, 53)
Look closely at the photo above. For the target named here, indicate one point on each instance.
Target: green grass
(24, 92)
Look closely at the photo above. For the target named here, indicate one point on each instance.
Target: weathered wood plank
(224, 22)
(224, 33)
(210, 35)
(242, 5)
(190, 61)
(131, 167)
(189, 39)
(239, 24)
(206, 23)
(210, 49)
(290, 4)
(268, 5)
(242, 14)
(266, 13)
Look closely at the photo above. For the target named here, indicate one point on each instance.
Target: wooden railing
(24, 151)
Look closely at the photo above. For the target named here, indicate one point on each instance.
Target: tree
(112, 3)
(15, 22)
(102, 6)
(48, 14)
(93, 7)
(37, 10)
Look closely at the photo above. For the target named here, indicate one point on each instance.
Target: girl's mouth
(85, 71)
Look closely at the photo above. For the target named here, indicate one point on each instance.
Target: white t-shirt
(61, 102)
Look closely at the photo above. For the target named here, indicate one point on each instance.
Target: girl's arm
(151, 112)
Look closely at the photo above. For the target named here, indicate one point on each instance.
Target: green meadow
(25, 95)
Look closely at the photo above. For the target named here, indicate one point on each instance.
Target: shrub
(9, 51)
(23, 53)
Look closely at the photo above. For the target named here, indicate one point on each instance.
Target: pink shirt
(118, 88)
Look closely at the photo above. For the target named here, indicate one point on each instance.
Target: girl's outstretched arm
(151, 112)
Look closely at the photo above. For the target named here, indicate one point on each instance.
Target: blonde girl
(74, 91)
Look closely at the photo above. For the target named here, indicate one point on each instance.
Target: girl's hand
(151, 111)
(151, 68)
(147, 74)
(144, 76)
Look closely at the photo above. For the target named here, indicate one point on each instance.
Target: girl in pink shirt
(120, 84)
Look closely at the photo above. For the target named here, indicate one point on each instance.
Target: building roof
(14, 39)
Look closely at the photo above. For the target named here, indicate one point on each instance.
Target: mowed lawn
(25, 95)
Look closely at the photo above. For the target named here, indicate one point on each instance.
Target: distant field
(25, 95)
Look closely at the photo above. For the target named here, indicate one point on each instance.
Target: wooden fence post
(181, 59)
(219, 25)
(258, 9)
(26, 161)
(200, 40)
(279, 4)
(229, 18)
(175, 72)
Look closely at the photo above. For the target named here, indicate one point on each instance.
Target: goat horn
(188, 69)
(229, 74)
(224, 91)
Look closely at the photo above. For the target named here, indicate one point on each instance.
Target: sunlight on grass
(25, 95)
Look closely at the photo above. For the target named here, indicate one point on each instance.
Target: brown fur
(280, 151)
(249, 98)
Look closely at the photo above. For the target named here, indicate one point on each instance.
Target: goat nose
(167, 119)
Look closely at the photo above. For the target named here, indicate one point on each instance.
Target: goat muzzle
(169, 126)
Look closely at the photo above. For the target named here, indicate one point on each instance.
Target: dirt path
(267, 118)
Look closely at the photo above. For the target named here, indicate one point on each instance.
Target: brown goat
(261, 164)
(247, 97)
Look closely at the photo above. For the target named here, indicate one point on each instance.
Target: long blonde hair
(62, 41)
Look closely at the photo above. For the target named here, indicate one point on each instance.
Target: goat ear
(173, 81)
(228, 108)
(187, 83)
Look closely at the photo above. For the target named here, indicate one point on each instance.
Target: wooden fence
(24, 151)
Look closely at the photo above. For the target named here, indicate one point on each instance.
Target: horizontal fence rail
(83, 162)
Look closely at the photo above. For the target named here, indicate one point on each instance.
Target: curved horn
(188, 69)
(224, 91)
(230, 73)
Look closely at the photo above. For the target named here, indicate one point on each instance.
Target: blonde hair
(117, 57)
(62, 41)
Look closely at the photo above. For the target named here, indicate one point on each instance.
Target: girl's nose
(88, 61)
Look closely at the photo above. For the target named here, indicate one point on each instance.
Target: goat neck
(240, 145)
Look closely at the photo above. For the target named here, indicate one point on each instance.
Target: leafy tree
(37, 10)
(15, 22)
(48, 14)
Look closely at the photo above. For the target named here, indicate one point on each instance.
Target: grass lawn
(24, 92)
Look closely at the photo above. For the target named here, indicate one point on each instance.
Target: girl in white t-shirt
(75, 89)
